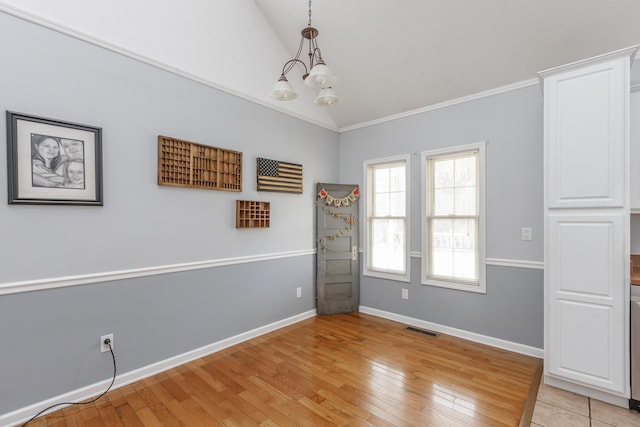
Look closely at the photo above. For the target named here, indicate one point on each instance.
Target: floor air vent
(422, 331)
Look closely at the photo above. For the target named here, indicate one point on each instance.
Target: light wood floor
(344, 370)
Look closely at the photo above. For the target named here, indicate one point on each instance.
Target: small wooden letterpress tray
(251, 214)
(188, 164)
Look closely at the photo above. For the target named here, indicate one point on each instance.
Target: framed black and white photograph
(53, 162)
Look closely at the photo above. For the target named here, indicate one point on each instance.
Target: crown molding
(445, 104)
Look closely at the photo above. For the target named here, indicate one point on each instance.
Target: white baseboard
(471, 336)
(21, 415)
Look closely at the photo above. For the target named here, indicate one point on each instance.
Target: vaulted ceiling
(391, 57)
(394, 56)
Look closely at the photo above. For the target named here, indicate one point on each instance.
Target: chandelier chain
(309, 13)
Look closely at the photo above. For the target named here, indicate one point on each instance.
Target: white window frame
(367, 270)
(481, 285)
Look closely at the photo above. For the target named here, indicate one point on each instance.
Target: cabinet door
(585, 285)
(635, 152)
(585, 135)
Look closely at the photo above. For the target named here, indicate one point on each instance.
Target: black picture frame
(39, 173)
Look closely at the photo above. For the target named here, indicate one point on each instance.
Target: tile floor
(555, 407)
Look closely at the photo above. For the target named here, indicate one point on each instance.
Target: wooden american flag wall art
(274, 175)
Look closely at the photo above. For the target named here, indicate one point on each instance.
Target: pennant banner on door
(339, 201)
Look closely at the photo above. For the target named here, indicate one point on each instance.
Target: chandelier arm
(314, 52)
(300, 46)
(290, 64)
(317, 54)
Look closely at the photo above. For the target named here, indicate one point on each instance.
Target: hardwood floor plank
(190, 413)
(275, 417)
(90, 416)
(110, 416)
(339, 370)
(169, 383)
(157, 407)
(71, 417)
(58, 421)
(148, 418)
(128, 416)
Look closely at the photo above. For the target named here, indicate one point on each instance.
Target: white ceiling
(395, 56)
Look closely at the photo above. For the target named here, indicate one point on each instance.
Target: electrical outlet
(298, 292)
(103, 346)
(526, 233)
(405, 293)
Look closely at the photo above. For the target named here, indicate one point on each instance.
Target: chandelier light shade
(320, 77)
(282, 90)
(326, 97)
(316, 74)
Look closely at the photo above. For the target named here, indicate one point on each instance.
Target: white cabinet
(586, 208)
(635, 152)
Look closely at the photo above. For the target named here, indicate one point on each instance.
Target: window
(387, 215)
(453, 206)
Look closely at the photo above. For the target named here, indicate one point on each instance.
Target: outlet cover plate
(103, 346)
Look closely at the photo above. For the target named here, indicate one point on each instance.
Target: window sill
(387, 276)
(460, 286)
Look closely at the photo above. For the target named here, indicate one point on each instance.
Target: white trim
(536, 265)
(38, 20)
(457, 285)
(60, 282)
(23, 414)
(481, 286)
(445, 104)
(366, 164)
(502, 262)
(387, 276)
(470, 336)
(627, 52)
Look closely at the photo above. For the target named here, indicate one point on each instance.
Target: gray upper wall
(143, 224)
(512, 125)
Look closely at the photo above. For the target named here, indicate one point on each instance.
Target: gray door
(337, 277)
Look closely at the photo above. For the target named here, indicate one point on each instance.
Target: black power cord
(106, 342)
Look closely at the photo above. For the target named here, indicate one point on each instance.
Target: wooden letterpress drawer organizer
(250, 214)
(188, 164)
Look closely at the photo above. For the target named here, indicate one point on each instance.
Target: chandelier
(316, 75)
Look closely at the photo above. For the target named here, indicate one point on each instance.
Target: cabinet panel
(585, 285)
(585, 137)
(635, 152)
(586, 254)
(585, 344)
